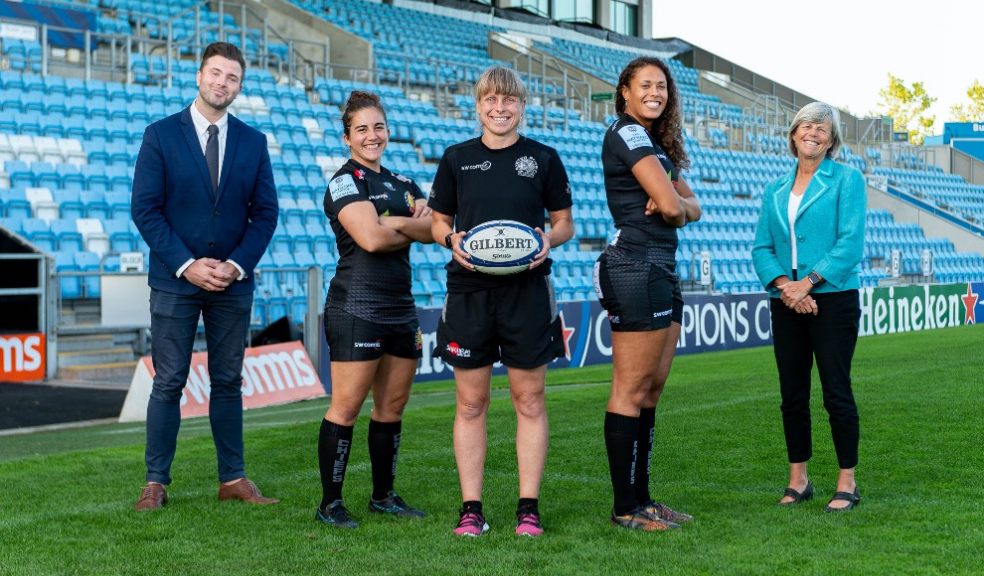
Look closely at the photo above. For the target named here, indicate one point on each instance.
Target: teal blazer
(829, 229)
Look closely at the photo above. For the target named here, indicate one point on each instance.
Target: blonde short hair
(818, 112)
(500, 80)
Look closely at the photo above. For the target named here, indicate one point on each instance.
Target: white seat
(273, 147)
(6, 151)
(48, 150)
(96, 239)
(42, 203)
(23, 147)
(329, 164)
(258, 103)
(72, 152)
(313, 129)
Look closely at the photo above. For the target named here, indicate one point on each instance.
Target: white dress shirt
(201, 129)
(792, 209)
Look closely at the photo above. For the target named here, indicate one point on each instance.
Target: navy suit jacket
(180, 217)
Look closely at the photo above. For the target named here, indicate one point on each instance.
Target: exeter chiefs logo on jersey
(526, 166)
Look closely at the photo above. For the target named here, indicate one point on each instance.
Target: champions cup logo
(408, 198)
(526, 166)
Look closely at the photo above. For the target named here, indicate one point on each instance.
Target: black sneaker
(664, 512)
(336, 515)
(394, 505)
(639, 519)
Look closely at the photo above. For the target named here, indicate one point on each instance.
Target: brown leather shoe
(152, 497)
(244, 490)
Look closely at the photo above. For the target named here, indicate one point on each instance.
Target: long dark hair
(360, 100)
(668, 128)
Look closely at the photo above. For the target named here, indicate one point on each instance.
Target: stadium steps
(94, 354)
(80, 312)
(85, 342)
(116, 372)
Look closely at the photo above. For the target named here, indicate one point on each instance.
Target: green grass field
(66, 496)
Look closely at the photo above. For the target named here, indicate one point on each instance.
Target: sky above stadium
(840, 51)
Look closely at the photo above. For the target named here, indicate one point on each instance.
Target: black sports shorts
(352, 339)
(516, 323)
(638, 295)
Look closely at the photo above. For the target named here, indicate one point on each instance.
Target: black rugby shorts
(353, 339)
(516, 323)
(638, 295)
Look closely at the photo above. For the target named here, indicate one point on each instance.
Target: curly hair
(668, 128)
(359, 100)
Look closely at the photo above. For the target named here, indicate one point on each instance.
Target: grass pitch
(66, 496)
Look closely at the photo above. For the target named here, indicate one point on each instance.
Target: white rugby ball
(502, 247)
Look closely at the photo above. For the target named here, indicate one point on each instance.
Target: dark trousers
(830, 337)
(173, 324)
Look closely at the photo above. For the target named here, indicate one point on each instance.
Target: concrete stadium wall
(966, 166)
(347, 51)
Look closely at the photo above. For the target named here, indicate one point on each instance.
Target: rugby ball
(502, 247)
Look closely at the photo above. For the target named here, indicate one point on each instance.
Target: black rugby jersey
(626, 142)
(371, 286)
(475, 184)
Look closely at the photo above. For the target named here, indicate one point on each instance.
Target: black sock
(334, 443)
(472, 506)
(622, 443)
(528, 505)
(384, 448)
(647, 429)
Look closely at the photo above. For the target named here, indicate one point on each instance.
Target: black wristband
(447, 239)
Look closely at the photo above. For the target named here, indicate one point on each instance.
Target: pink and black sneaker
(528, 523)
(471, 523)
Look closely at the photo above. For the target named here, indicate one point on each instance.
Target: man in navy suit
(205, 202)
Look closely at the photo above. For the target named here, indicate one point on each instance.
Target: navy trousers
(173, 324)
(830, 337)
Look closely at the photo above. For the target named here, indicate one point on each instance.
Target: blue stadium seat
(121, 239)
(69, 238)
(89, 262)
(119, 205)
(69, 203)
(70, 286)
(16, 204)
(39, 234)
(96, 205)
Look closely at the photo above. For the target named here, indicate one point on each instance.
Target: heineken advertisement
(724, 322)
(925, 307)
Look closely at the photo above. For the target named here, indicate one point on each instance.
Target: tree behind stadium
(907, 106)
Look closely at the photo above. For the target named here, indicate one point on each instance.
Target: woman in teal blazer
(807, 253)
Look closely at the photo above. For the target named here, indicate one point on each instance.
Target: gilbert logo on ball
(502, 246)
